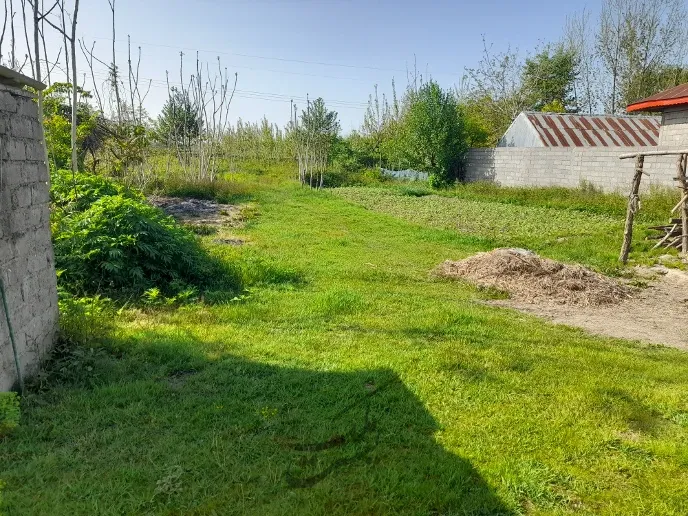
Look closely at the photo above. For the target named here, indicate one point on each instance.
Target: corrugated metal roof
(566, 130)
(675, 96)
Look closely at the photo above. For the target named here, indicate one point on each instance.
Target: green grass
(656, 203)
(349, 381)
(546, 220)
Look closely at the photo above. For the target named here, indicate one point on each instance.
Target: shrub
(9, 412)
(435, 134)
(77, 192)
(122, 246)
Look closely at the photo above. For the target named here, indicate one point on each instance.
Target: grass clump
(84, 319)
(220, 190)
(9, 413)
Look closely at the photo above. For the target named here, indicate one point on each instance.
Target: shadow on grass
(166, 430)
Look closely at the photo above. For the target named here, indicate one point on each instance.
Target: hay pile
(528, 277)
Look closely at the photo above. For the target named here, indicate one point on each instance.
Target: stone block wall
(674, 131)
(26, 252)
(568, 167)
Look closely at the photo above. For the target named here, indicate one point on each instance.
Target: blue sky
(336, 49)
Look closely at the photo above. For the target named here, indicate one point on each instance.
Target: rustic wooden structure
(672, 236)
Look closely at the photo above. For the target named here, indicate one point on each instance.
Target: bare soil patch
(199, 212)
(655, 314)
(576, 296)
(530, 278)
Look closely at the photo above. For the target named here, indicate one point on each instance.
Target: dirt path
(656, 314)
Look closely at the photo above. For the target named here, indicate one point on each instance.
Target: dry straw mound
(528, 277)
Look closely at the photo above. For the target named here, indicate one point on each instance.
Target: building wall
(568, 167)
(26, 253)
(674, 130)
(521, 133)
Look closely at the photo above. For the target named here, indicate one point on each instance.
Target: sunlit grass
(350, 381)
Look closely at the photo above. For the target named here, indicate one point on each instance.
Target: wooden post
(633, 201)
(681, 176)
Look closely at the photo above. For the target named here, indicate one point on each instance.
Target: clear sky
(336, 49)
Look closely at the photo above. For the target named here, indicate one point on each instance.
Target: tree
(579, 41)
(496, 86)
(58, 116)
(549, 78)
(636, 38)
(314, 134)
(71, 37)
(373, 123)
(179, 123)
(435, 133)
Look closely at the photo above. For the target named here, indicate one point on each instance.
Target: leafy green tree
(320, 122)
(57, 116)
(180, 123)
(549, 78)
(653, 81)
(315, 134)
(435, 132)
(479, 130)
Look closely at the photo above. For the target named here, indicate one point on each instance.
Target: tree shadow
(170, 433)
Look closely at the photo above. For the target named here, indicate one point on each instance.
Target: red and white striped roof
(567, 130)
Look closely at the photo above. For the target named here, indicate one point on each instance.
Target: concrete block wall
(568, 167)
(674, 131)
(26, 252)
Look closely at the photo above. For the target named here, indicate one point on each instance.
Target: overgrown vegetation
(109, 241)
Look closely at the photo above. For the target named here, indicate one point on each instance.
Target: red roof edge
(649, 105)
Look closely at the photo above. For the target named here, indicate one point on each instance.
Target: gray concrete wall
(511, 166)
(674, 130)
(26, 252)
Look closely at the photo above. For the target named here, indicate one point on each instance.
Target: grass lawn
(351, 382)
(565, 224)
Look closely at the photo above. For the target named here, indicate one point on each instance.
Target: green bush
(77, 192)
(9, 412)
(122, 247)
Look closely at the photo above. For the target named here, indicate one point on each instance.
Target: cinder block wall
(674, 131)
(568, 167)
(26, 252)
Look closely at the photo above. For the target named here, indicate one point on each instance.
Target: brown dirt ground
(654, 315)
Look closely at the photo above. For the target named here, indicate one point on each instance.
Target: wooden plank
(667, 237)
(680, 164)
(633, 204)
(654, 153)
